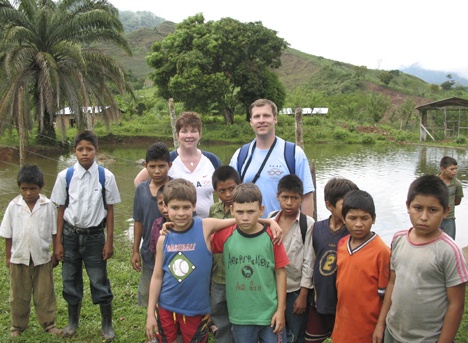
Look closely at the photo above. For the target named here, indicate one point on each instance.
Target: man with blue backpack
(268, 158)
(85, 195)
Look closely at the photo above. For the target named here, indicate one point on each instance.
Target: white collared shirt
(31, 231)
(85, 208)
(299, 271)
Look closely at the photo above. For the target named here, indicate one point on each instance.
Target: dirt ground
(465, 252)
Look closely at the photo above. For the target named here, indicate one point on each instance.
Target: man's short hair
(337, 188)
(358, 200)
(224, 173)
(263, 102)
(291, 183)
(429, 185)
(247, 192)
(158, 152)
(187, 119)
(447, 161)
(179, 189)
(31, 174)
(86, 135)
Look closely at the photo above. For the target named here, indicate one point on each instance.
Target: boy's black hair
(247, 192)
(447, 161)
(431, 185)
(224, 173)
(31, 174)
(86, 135)
(160, 191)
(358, 200)
(337, 188)
(291, 183)
(158, 152)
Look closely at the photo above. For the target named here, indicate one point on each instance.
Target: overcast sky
(378, 34)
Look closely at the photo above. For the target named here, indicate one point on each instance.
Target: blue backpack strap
(69, 175)
(290, 156)
(244, 151)
(303, 225)
(102, 181)
(68, 178)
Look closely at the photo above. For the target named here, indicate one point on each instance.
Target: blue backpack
(289, 156)
(102, 181)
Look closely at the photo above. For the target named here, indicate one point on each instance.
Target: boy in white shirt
(29, 227)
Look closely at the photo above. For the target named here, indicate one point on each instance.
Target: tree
(218, 65)
(447, 85)
(386, 77)
(46, 48)
(360, 71)
(405, 112)
(377, 106)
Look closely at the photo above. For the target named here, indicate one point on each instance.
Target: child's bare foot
(54, 331)
(15, 333)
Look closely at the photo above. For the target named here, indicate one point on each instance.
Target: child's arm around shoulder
(454, 313)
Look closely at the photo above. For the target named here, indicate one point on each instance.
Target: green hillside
(306, 72)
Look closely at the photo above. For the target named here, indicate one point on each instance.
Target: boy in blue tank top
(325, 237)
(179, 290)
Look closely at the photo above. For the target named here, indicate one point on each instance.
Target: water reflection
(384, 171)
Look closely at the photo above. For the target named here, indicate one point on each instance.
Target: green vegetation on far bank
(320, 129)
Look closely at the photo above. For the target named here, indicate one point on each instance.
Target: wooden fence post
(300, 142)
(172, 115)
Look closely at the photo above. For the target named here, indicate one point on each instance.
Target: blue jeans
(295, 323)
(448, 225)
(87, 249)
(257, 333)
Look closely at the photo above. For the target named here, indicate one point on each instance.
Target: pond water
(384, 171)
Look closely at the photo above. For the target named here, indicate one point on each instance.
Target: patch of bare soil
(372, 129)
(465, 252)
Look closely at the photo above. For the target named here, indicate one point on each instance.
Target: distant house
(65, 118)
(305, 110)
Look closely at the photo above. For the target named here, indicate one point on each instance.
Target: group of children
(281, 279)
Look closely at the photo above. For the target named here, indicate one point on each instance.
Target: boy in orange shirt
(363, 261)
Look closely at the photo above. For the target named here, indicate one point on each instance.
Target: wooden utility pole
(21, 125)
(172, 115)
(300, 142)
(298, 125)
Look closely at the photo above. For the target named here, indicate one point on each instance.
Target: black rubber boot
(73, 320)
(106, 315)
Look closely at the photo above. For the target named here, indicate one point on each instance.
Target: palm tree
(50, 58)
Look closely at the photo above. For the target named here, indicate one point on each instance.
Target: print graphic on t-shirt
(181, 267)
(328, 263)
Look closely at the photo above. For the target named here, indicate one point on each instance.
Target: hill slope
(299, 69)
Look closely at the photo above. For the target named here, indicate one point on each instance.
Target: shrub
(340, 134)
(368, 139)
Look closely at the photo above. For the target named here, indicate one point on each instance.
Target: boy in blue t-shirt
(145, 212)
(325, 237)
